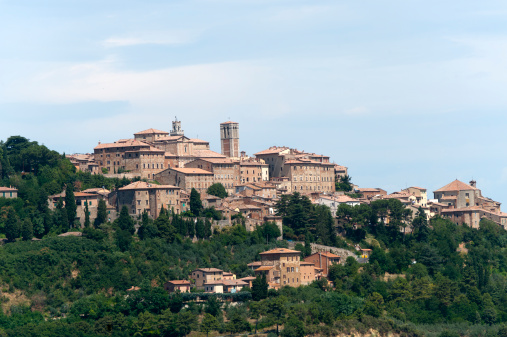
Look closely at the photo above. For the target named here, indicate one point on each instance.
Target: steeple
(176, 130)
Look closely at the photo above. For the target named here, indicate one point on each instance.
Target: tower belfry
(176, 130)
(229, 139)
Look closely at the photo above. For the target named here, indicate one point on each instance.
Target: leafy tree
(12, 226)
(218, 190)
(195, 202)
(101, 213)
(213, 306)
(27, 230)
(294, 328)
(209, 323)
(344, 184)
(276, 310)
(123, 239)
(70, 204)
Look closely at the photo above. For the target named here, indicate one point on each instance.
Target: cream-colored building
(8, 192)
(225, 171)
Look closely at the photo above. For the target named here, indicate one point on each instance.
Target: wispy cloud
(157, 38)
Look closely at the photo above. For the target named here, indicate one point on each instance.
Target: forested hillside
(438, 280)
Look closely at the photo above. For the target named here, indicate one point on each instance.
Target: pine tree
(70, 204)
(27, 230)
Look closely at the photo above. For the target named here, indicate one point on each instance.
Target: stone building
(307, 172)
(206, 275)
(8, 192)
(253, 171)
(229, 139)
(464, 204)
(281, 267)
(150, 135)
(323, 260)
(82, 199)
(225, 170)
(186, 178)
(265, 190)
(309, 272)
(418, 196)
(140, 196)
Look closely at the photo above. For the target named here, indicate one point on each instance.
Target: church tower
(176, 131)
(229, 139)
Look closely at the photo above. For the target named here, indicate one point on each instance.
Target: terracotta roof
(264, 268)
(97, 191)
(252, 163)
(255, 263)
(327, 254)
(272, 150)
(149, 131)
(456, 185)
(340, 167)
(306, 263)
(169, 138)
(7, 189)
(418, 188)
(209, 270)
(220, 160)
(196, 140)
(180, 282)
(207, 154)
(190, 170)
(122, 143)
(280, 251)
(234, 283)
(76, 194)
(141, 185)
(367, 189)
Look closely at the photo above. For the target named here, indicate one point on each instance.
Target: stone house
(186, 178)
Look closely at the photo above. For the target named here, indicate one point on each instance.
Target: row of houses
(280, 266)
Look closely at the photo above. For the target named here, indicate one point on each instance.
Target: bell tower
(176, 130)
(229, 139)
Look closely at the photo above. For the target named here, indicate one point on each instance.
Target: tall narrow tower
(176, 131)
(229, 139)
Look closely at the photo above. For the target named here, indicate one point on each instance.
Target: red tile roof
(8, 189)
(280, 251)
(456, 185)
(207, 154)
(150, 131)
(141, 185)
(189, 170)
(122, 143)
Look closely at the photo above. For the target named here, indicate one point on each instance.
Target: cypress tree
(101, 213)
(70, 204)
(200, 231)
(87, 215)
(195, 202)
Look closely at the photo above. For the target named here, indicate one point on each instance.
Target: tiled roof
(366, 189)
(180, 282)
(122, 143)
(418, 188)
(255, 263)
(234, 283)
(272, 150)
(252, 163)
(280, 251)
(220, 160)
(210, 283)
(7, 189)
(264, 268)
(150, 131)
(327, 254)
(456, 185)
(196, 140)
(141, 185)
(170, 138)
(207, 154)
(189, 170)
(209, 270)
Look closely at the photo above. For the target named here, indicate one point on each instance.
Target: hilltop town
(160, 228)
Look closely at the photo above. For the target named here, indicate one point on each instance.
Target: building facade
(229, 139)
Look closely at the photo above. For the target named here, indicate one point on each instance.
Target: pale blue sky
(402, 92)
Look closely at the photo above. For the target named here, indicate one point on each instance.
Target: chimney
(473, 183)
